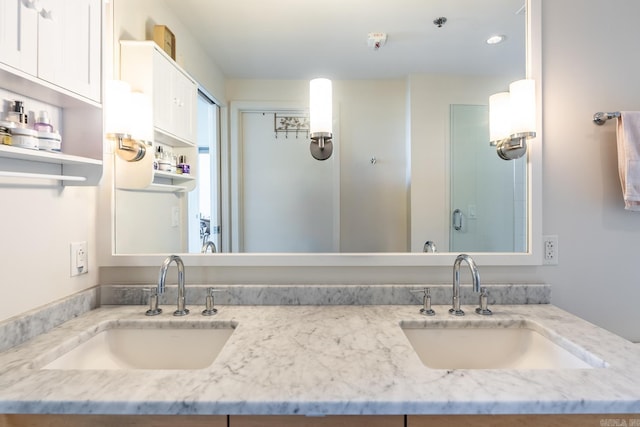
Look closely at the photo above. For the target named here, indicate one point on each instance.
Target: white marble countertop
(318, 360)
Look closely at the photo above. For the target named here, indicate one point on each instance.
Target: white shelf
(10, 152)
(159, 188)
(176, 177)
(23, 163)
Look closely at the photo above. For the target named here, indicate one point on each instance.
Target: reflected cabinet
(173, 95)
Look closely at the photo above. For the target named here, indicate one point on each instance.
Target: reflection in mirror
(411, 146)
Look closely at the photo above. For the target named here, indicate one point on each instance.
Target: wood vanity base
(595, 420)
(589, 420)
(29, 420)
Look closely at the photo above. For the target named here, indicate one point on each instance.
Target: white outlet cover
(79, 258)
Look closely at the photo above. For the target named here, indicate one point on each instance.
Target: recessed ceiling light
(496, 39)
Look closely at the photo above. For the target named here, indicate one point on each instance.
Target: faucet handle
(426, 301)
(484, 303)
(209, 302)
(153, 302)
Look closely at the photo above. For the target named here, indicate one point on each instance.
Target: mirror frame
(532, 257)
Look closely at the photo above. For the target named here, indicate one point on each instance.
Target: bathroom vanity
(322, 365)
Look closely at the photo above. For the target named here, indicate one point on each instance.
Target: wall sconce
(512, 119)
(127, 120)
(320, 118)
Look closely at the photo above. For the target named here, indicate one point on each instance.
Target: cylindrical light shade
(499, 116)
(320, 106)
(141, 127)
(523, 106)
(117, 114)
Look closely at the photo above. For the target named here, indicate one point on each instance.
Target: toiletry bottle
(183, 167)
(16, 114)
(43, 123)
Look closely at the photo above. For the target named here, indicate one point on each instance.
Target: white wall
(37, 225)
(590, 64)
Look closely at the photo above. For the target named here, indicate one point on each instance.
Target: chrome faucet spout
(181, 308)
(208, 245)
(475, 277)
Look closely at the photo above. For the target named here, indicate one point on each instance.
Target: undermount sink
(494, 345)
(153, 346)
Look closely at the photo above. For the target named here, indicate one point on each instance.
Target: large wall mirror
(412, 161)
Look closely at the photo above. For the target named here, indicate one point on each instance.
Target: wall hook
(373, 161)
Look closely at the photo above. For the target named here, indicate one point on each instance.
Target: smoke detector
(376, 40)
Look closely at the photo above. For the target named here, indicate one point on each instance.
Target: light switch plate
(79, 259)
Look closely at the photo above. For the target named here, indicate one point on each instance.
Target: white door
(287, 202)
(19, 36)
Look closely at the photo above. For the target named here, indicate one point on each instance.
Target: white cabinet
(19, 35)
(67, 40)
(56, 41)
(50, 52)
(173, 95)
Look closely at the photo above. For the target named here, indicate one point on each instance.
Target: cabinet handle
(457, 220)
(37, 6)
(46, 14)
(32, 4)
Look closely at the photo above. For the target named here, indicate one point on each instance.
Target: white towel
(628, 133)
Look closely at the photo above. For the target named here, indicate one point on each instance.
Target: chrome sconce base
(513, 147)
(321, 145)
(128, 149)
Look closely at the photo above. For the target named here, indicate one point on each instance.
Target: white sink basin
(486, 345)
(159, 347)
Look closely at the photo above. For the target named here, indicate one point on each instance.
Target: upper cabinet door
(185, 114)
(19, 35)
(163, 75)
(69, 45)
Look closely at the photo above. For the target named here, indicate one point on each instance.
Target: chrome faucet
(181, 310)
(429, 246)
(455, 310)
(208, 245)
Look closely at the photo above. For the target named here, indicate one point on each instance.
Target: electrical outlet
(79, 259)
(550, 254)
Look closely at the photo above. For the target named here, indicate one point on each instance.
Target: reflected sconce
(127, 120)
(512, 119)
(320, 118)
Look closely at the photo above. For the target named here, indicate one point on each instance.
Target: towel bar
(601, 118)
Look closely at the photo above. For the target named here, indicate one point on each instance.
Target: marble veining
(317, 360)
(19, 329)
(330, 294)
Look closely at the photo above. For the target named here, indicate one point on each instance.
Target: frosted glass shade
(499, 116)
(523, 106)
(117, 115)
(141, 126)
(320, 106)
